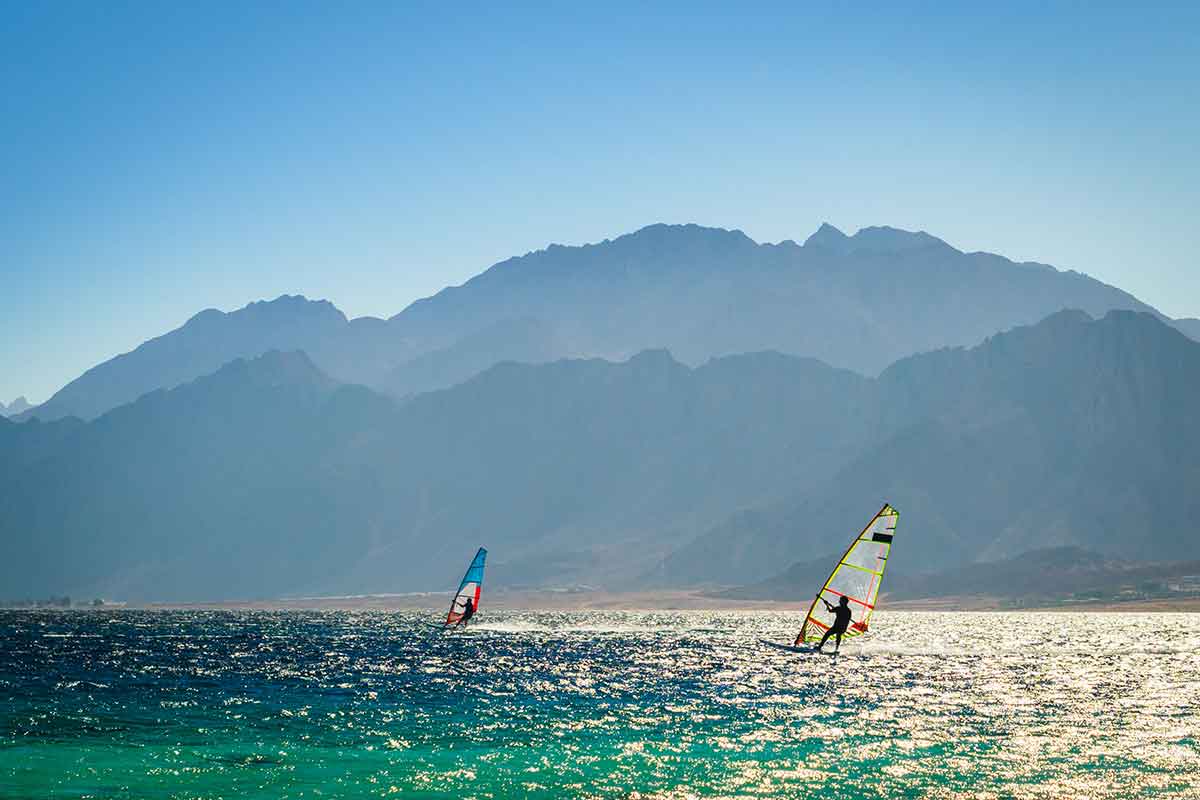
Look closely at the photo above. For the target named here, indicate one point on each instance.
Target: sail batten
(470, 588)
(857, 577)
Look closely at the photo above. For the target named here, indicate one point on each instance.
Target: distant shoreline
(676, 600)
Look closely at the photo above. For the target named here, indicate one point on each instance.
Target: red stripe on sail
(851, 599)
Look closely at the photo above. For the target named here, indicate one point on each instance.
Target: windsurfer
(468, 612)
(841, 621)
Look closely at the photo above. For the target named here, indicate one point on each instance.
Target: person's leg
(838, 645)
(824, 639)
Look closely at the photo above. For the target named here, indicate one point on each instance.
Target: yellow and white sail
(856, 577)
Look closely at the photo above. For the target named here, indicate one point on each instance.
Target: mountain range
(859, 302)
(269, 477)
(678, 406)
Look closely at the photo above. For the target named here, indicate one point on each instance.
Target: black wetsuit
(841, 619)
(468, 612)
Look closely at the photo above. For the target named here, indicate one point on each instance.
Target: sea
(596, 704)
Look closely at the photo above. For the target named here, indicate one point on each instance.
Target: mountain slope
(1189, 326)
(267, 478)
(24, 444)
(1070, 432)
(524, 340)
(207, 341)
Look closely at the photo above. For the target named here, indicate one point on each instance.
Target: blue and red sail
(471, 588)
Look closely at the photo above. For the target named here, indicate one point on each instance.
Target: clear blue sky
(157, 159)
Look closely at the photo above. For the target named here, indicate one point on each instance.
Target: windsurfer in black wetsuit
(841, 621)
(468, 612)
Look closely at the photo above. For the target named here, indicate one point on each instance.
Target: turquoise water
(595, 704)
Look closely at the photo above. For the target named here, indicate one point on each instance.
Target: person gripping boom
(468, 612)
(841, 621)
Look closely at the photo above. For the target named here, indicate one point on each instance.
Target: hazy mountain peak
(1069, 324)
(1143, 320)
(654, 358)
(274, 368)
(881, 238)
(1117, 319)
(666, 236)
(205, 316)
(293, 302)
(286, 305)
(200, 346)
(653, 237)
(292, 369)
(828, 237)
(683, 229)
(875, 238)
(1067, 317)
(17, 406)
(277, 367)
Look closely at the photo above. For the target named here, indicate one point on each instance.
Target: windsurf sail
(471, 588)
(856, 577)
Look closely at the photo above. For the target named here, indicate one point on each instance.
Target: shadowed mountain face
(1069, 432)
(213, 488)
(859, 302)
(269, 478)
(266, 478)
(22, 445)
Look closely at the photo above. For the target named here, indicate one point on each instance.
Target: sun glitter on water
(596, 704)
